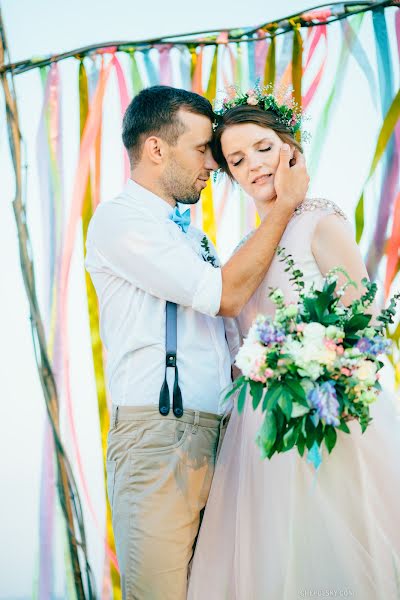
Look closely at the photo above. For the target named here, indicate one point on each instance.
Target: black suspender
(170, 361)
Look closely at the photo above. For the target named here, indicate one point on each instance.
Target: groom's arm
(245, 270)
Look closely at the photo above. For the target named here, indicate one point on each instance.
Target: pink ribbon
(320, 33)
(124, 101)
(90, 133)
(165, 63)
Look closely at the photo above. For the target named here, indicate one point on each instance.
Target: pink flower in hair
(252, 101)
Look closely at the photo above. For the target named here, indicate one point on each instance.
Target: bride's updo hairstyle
(248, 114)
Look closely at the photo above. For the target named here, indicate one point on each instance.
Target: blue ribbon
(390, 159)
(252, 63)
(314, 456)
(150, 68)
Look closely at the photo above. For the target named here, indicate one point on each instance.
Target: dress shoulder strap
(312, 204)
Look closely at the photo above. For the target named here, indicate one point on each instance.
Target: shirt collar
(156, 205)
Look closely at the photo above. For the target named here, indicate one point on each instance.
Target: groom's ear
(154, 149)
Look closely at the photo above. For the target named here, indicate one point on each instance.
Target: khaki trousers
(159, 472)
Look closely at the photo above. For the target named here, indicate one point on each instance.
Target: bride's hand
(291, 182)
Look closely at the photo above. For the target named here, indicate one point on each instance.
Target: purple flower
(323, 398)
(375, 346)
(381, 346)
(269, 334)
(364, 345)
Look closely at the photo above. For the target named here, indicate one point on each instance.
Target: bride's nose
(256, 160)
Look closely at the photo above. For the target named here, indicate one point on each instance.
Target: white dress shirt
(138, 259)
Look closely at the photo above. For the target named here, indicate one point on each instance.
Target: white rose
(317, 352)
(252, 334)
(250, 356)
(292, 347)
(314, 332)
(366, 372)
(312, 370)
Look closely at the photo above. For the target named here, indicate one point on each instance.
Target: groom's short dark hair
(154, 112)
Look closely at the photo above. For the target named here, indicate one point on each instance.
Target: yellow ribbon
(212, 82)
(270, 64)
(97, 348)
(385, 134)
(209, 223)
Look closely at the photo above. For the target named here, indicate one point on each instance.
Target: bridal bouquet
(314, 366)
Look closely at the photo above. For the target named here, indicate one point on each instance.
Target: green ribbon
(385, 134)
(297, 69)
(137, 83)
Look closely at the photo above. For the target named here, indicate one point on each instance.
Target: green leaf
(319, 433)
(256, 390)
(298, 410)
(310, 433)
(301, 443)
(297, 391)
(309, 305)
(329, 288)
(357, 322)
(271, 396)
(235, 386)
(242, 397)
(303, 427)
(321, 305)
(290, 438)
(268, 432)
(330, 437)
(331, 319)
(285, 403)
(280, 420)
(343, 427)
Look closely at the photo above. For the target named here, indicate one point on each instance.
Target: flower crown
(288, 114)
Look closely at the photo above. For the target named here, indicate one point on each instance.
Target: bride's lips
(262, 179)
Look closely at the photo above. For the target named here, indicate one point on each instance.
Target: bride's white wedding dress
(277, 529)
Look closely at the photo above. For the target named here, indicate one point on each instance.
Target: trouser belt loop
(196, 421)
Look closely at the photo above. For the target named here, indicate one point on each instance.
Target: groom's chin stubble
(188, 200)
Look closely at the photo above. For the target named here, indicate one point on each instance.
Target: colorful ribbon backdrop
(205, 67)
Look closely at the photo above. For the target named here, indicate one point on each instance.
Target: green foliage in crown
(288, 114)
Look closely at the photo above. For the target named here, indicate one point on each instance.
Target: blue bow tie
(182, 220)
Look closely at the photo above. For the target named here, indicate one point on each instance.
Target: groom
(144, 259)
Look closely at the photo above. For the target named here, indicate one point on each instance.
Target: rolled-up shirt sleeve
(150, 255)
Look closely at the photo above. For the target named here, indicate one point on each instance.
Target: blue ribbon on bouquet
(314, 456)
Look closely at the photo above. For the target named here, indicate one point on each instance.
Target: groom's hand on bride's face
(291, 178)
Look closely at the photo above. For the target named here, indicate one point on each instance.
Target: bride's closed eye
(265, 149)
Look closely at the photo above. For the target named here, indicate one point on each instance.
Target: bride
(277, 529)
